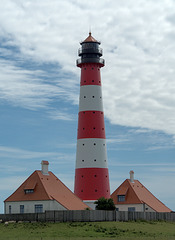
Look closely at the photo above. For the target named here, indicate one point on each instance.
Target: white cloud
(62, 114)
(116, 140)
(138, 41)
(171, 168)
(147, 139)
(21, 154)
(24, 88)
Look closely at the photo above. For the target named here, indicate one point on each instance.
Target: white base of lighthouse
(90, 203)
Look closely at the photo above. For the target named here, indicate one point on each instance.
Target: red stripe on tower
(91, 125)
(91, 173)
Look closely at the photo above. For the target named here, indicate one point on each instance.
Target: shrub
(105, 204)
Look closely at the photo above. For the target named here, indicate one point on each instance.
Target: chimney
(132, 176)
(44, 167)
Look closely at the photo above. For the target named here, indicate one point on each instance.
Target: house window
(121, 198)
(38, 208)
(10, 209)
(28, 191)
(21, 208)
(131, 209)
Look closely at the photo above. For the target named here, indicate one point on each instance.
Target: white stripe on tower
(90, 98)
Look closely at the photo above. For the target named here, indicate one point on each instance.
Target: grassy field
(96, 230)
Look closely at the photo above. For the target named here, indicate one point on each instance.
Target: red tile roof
(47, 187)
(136, 194)
(123, 191)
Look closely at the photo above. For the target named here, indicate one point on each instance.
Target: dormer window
(122, 194)
(28, 191)
(121, 198)
(29, 187)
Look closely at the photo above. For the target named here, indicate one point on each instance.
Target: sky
(39, 89)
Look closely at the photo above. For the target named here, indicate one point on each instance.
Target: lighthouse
(91, 173)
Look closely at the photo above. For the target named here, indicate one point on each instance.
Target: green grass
(140, 230)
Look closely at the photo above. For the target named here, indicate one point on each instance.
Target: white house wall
(29, 206)
(138, 207)
(148, 208)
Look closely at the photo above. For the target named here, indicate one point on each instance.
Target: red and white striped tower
(91, 173)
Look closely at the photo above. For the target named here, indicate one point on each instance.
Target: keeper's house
(40, 192)
(131, 195)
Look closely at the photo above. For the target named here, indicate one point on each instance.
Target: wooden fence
(87, 216)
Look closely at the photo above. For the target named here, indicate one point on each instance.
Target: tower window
(93, 112)
(82, 176)
(93, 127)
(92, 68)
(95, 160)
(94, 144)
(83, 144)
(84, 68)
(102, 128)
(95, 175)
(81, 190)
(84, 112)
(92, 80)
(103, 144)
(95, 190)
(83, 128)
(83, 160)
(84, 81)
(84, 96)
(99, 81)
(93, 96)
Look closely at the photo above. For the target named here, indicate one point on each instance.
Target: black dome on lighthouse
(90, 52)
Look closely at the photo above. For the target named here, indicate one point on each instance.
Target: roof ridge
(134, 189)
(37, 171)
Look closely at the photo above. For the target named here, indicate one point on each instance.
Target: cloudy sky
(39, 89)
